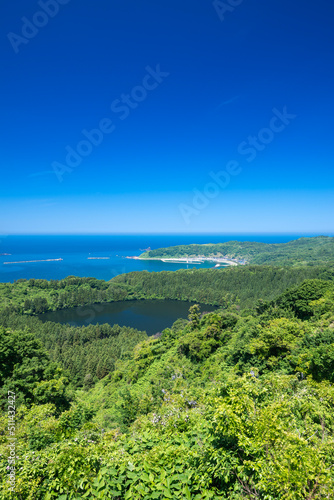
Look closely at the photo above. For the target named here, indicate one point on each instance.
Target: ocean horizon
(102, 256)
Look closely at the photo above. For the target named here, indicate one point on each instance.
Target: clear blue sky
(201, 88)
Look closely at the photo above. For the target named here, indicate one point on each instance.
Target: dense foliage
(86, 354)
(224, 287)
(36, 296)
(303, 251)
(26, 365)
(241, 286)
(232, 404)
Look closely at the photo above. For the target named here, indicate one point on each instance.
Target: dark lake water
(149, 315)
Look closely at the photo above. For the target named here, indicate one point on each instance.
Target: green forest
(304, 251)
(233, 285)
(232, 404)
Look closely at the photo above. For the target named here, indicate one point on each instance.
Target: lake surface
(149, 315)
(77, 251)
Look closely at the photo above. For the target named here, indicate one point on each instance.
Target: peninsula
(303, 251)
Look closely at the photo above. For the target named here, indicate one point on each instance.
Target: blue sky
(175, 93)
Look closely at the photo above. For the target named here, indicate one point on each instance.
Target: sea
(79, 252)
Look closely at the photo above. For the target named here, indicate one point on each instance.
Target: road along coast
(190, 260)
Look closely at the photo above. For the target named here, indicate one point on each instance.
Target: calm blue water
(74, 250)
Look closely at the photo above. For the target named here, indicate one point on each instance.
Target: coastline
(189, 260)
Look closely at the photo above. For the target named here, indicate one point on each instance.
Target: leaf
(87, 493)
(167, 493)
(186, 491)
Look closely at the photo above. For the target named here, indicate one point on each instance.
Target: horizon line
(214, 233)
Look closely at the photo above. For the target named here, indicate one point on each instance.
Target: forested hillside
(304, 251)
(36, 296)
(224, 405)
(241, 285)
(86, 353)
